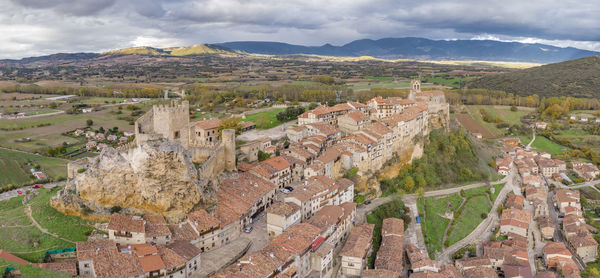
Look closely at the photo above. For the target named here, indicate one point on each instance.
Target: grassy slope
(271, 116)
(470, 218)
(542, 144)
(18, 235)
(510, 117)
(435, 225)
(31, 271)
(14, 171)
(576, 78)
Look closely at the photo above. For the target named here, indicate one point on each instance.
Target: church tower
(415, 87)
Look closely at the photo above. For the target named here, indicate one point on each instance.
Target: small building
(419, 261)
(247, 126)
(546, 227)
(357, 249)
(126, 229)
(281, 216)
(541, 125)
(514, 221)
(514, 201)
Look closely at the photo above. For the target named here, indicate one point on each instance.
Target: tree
(408, 184)
(89, 122)
(262, 156)
(230, 123)
(420, 192)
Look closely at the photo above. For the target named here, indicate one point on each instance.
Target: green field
(579, 137)
(14, 171)
(504, 113)
(31, 271)
(432, 210)
(434, 223)
(470, 218)
(543, 144)
(265, 119)
(450, 82)
(20, 237)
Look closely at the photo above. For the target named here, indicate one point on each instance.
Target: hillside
(577, 78)
(198, 49)
(423, 49)
(139, 50)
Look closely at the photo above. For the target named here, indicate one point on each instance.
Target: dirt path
(42, 229)
(530, 142)
(462, 203)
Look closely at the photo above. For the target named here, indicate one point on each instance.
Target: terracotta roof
(67, 267)
(480, 272)
(565, 195)
(556, 248)
(238, 196)
(208, 124)
(381, 273)
(170, 258)
(417, 258)
(450, 271)
(427, 274)
(515, 217)
(140, 250)
(514, 201)
(329, 155)
(109, 263)
(282, 208)
(121, 222)
(326, 217)
(359, 241)
(156, 226)
(12, 258)
(184, 249)
(203, 220)
(358, 116)
(392, 226)
(348, 207)
(522, 271)
(183, 231)
(390, 253)
(546, 274)
(151, 263)
(86, 249)
(298, 238)
(324, 128)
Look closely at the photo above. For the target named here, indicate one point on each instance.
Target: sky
(40, 27)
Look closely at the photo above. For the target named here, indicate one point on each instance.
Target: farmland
(266, 119)
(14, 168)
(500, 112)
(472, 125)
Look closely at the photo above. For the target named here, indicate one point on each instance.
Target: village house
(550, 166)
(156, 229)
(287, 255)
(319, 191)
(579, 238)
(126, 229)
(326, 114)
(275, 170)
(546, 226)
(558, 257)
(514, 221)
(564, 198)
(419, 261)
(541, 125)
(512, 141)
(514, 201)
(532, 193)
(381, 273)
(532, 180)
(391, 249)
(329, 131)
(352, 121)
(356, 250)
(281, 216)
(499, 251)
(587, 171)
(466, 264)
(205, 132)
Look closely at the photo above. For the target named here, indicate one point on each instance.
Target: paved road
(273, 133)
(482, 231)
(13, 193)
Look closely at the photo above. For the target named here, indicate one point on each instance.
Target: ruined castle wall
(144, 127)
(74, 166)
(228, 143)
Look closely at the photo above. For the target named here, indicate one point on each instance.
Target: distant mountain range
(390, 48)
(576, 78)
(423, 49)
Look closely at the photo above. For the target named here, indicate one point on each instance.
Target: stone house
(546, 227)
(419, 261)
(391, 250)
(565, 198)
(319, 191)
(205, 132)
(281, 216)
(157, 230)
(352, 121)
(514, 221)
(275, 170)
(126, 229)
(588, 171)
(356, 250)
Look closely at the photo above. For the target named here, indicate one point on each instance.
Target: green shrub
(81, 170)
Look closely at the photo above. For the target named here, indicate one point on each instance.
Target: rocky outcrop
(156, 176)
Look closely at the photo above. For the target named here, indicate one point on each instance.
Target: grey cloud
(35, 27)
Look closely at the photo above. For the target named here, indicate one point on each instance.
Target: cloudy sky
(39, 27)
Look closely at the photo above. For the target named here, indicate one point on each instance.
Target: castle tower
(228, 141)
(172, 121)
(415, 88)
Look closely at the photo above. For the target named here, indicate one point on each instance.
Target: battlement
(173, 107)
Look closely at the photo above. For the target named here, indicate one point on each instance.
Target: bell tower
(415, 87)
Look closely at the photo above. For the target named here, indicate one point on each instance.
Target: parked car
(19, 192)
(248, 229)
(285, 190)
(418, 219)
(36, 186)
(289, 188)
(367, 202)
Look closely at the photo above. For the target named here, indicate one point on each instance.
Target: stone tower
(172, 121)
(415, 87)
(228, 141)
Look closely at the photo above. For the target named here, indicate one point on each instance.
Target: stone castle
(166, 170)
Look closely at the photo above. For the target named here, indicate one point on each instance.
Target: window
(176, 134)
(86, 265)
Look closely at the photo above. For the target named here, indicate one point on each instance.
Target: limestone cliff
(157, 177)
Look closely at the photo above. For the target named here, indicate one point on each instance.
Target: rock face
(157, 177)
